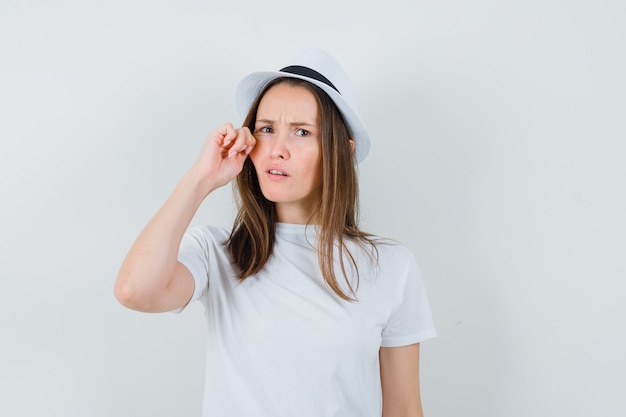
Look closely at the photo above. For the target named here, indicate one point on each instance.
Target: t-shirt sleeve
(194, 255)
(411, 320)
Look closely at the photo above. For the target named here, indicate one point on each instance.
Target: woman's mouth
(276, 172)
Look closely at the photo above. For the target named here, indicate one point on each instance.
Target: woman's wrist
(197, 185)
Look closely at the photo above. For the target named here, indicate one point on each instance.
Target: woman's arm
(151, 279)
(399, 374)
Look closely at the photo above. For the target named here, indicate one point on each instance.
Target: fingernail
(232, 153)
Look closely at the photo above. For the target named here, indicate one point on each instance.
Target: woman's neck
(295, 214)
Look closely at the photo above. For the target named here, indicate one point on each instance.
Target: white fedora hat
(319, 68)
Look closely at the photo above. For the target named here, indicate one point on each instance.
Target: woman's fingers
(242, 144)
(223, 154)
(228, 134)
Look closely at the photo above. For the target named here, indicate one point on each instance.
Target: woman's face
(287, 155)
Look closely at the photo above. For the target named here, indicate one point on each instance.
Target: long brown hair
(252, 239)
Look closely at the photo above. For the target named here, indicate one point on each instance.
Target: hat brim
(250, 86)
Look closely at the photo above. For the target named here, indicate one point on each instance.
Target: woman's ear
(351, 145)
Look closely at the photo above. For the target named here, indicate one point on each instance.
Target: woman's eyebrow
(292, 124)
(302, 124)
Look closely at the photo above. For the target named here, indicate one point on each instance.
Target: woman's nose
(279, 145)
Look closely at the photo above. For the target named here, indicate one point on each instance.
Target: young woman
(307, 314)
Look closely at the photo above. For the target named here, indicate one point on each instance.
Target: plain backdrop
(498, 144)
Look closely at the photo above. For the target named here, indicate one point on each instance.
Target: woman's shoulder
(386, 251)
(391, 251)
(209, 233)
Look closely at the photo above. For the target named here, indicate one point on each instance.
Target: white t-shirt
(282, 343)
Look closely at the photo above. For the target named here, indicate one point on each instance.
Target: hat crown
(321, 62)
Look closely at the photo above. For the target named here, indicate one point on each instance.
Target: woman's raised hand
(223, 155)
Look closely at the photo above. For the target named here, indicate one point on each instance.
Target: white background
(499, 132)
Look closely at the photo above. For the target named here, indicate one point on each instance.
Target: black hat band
(310, 73)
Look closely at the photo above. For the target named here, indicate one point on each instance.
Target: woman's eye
(265, 129)
(302, 132)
